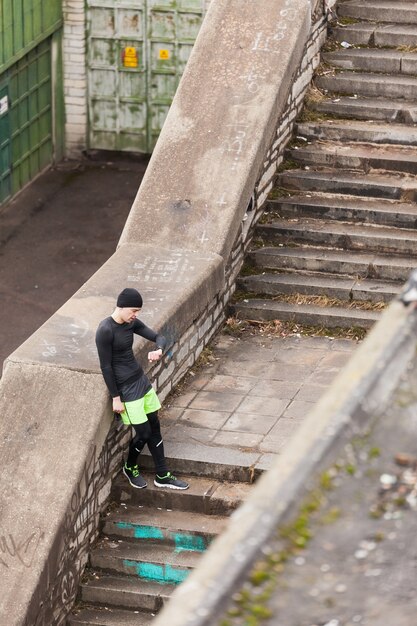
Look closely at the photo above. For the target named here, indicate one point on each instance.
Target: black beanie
(130, 298)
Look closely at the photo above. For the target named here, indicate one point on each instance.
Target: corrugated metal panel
(23, 25)
(137, 52)
(26, 127)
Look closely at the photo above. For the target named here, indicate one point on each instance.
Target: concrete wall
(182, 247)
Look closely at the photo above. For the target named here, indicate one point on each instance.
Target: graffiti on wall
(58, 585)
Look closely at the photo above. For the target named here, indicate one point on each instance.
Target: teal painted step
(182, 530)
(148, 562)
(183, 541)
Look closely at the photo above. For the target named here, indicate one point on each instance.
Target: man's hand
(155, 355)
(118, 405)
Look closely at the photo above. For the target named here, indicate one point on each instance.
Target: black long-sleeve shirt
(114, 345)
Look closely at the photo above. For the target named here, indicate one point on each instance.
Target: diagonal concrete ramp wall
(182, 246)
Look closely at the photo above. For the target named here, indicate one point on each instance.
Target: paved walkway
(252, 394)
(55, 234)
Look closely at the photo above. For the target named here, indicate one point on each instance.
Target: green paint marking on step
(164, 574)
(141, 532)
(189, 543)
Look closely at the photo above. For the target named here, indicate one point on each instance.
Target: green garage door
(30, 115)
(137, 51)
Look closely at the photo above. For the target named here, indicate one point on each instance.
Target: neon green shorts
(136, 411)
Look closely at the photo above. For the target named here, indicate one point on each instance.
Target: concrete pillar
(75, 76)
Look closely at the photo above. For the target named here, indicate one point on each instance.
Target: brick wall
(75, 76)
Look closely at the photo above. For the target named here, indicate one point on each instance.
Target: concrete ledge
(176, 286)
(363, 386)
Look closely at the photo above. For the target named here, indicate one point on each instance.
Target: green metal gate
(137, 51)
(31, 114)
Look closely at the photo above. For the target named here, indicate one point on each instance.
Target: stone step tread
(314, 281)
(374, 33)
(368, 108)
(127, 592)
(131, 521)
(401, 29)
(359, 131)
(106, 616)
(389, 178)
(196, 462)
(272, 309)
(341, 228)
(369, 84)
(381, 61)
(322, 253)
(378, 60)
(204, 495)
(115, 551)
(375, 53)
(388, 183)
(345, 201)
(381, 10)
(127, 584)
(359, 150)
(371, 52)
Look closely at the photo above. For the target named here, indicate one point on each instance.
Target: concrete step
(125, 592)
(205, 461)
(105, 616)
(148, 562)
(361, 156)
(358, 131)
(346, 208)
(338, 287)
(309, 315)
(342, 235)
(183, 530)
(387, 11)
(393, 186)
(205, 495)
(374, 34)
(313, 259)
(373, 60)
(375, 109)
(367, 84)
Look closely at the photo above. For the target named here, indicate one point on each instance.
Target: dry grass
(277, 328)
(326, 301)
(406, 48)
(314, 95)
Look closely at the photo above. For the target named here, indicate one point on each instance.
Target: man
(133, 395)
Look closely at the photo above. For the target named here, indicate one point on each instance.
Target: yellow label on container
(130, 57)
(164, 55)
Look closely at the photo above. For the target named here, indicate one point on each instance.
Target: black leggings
(148, 433)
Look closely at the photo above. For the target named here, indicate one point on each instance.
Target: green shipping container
(29, 31)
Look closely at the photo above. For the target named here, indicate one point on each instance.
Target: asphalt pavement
(55, 234)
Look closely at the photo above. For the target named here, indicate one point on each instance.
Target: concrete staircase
(339, 235)
(151, 540)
